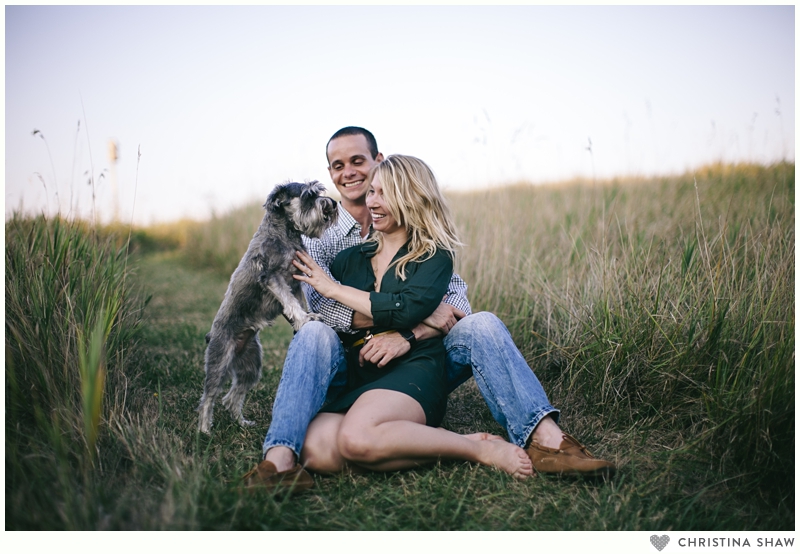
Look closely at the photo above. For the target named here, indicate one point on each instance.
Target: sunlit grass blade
(93, 377)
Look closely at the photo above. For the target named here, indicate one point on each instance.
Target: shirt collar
(345, 221)
(368, 248)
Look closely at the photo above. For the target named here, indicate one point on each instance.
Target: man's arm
(383, 349)
(457, 295)
(454, 307)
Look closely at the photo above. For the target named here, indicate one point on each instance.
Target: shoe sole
(279, 489)
(605, 472)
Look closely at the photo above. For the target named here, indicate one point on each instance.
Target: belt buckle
(367, 336)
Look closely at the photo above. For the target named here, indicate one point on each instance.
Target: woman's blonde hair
(413, 198)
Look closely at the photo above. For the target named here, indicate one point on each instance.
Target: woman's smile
(382, 220)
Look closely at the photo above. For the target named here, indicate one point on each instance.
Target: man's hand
(383, 349)
(444, 318)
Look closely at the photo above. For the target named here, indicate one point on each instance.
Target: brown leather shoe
(571, 458)
(265, 476)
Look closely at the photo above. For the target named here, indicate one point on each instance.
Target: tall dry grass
(663, 308)
(220, 243)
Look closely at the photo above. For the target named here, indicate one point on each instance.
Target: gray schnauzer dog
(262, 288)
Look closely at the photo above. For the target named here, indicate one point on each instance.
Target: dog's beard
(312, 223)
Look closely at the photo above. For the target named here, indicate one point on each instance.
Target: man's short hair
(372, 144)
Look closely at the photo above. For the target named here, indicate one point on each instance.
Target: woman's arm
(418, 297)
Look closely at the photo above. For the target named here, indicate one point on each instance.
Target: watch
(408, 334)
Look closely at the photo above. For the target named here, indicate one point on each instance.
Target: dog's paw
(246, 422)
(298, 322)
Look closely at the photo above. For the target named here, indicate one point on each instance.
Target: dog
(260, 289)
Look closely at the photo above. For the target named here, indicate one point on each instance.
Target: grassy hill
(658, 314)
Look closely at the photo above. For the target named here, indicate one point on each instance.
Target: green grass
(71, 316)
(659, 316)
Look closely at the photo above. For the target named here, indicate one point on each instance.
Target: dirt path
(184, 301)
(179, 314)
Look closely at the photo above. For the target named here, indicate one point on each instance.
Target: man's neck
(360, 213)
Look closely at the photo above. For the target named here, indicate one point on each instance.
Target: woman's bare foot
(505, 456)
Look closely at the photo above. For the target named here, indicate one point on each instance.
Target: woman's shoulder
(431, 265)
(441, 256)
(441, 253)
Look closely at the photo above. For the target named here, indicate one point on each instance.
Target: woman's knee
(358, 444)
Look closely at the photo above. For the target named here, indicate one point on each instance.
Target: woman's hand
(314, 275)
(324, 284)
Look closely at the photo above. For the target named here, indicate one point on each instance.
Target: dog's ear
(277, 199)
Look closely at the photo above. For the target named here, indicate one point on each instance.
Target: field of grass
(658, 314)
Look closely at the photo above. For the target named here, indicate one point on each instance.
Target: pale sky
(226, 102)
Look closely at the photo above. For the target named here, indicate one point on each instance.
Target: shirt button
(398, 304)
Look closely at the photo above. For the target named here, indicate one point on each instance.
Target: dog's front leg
(292, 308)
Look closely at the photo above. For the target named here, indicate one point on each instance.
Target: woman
(387, 417)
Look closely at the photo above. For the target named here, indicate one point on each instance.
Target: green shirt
(420, 373)
(399, 304)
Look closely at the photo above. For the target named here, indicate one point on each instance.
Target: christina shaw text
(734, 542)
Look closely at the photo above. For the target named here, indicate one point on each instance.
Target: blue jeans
(479, 345)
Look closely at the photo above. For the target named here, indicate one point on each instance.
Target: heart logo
(659, 542)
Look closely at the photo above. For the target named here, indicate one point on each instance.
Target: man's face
(349, 161)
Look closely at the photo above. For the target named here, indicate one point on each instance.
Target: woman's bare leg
(483, 437)
(320, 452)
(385, 431)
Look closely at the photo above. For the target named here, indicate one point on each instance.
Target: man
(477, 344)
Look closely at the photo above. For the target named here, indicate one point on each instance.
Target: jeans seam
(279, 442)
(537, 418)
(476, 369)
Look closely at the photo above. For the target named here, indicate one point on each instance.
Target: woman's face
(382, 220)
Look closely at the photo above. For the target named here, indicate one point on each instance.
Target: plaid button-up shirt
(344, 234)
